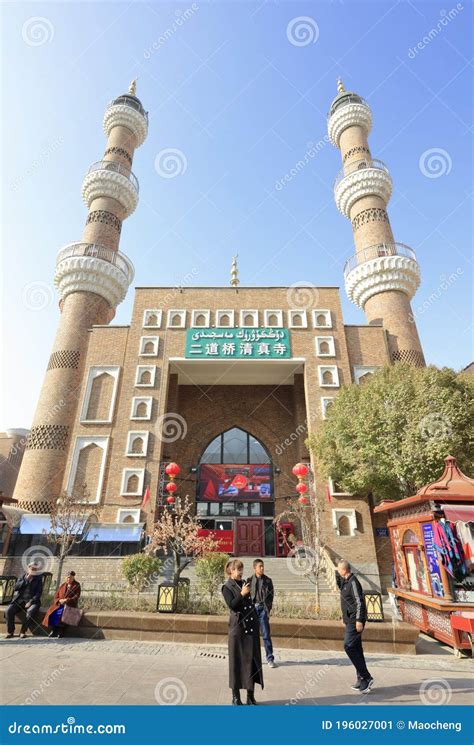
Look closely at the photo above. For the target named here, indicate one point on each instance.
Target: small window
(328, 376)
(149, 346)
(249, 318)
(326, 404)
(274, 318)
(363, 373)
(297, 319)
(322, 319)
(225, 318)
(325, 346)
(132, 482)
(128, 516)
(137, 444)
(201, 318)
(145, 376)
(152, 319)
(344, 522)
(176, 319)
(141, 408)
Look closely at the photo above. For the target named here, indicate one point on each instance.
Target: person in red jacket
(68, 594)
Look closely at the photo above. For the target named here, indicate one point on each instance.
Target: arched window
(152, 320)
(145, 377)
(235, 446)
(149, 348)
(297, 320)
(137, 445)
(273, 319)
(344, 525)
(176, 319)
(324, 347)
(132, 484)
(141, 410)
(224, 320)
(364, 378)
(200, 320)
(321, 319)
(248, 319)
(327, 377)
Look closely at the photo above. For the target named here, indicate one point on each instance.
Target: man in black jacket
(26, 601)
(354, 617)
(261, 592)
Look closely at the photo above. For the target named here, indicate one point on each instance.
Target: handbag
(71, 616)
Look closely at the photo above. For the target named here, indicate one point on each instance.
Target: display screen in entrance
(225, 483)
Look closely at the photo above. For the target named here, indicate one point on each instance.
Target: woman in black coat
(245, 659)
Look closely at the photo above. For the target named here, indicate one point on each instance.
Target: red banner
(225, 539)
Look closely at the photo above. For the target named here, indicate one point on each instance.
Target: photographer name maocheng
(66, 729)
(456, 726)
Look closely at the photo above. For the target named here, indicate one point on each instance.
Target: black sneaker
(366, 685)
(357, 685)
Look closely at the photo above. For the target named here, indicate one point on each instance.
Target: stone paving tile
(124, 672)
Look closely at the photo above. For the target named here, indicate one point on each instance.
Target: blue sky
(227, 86)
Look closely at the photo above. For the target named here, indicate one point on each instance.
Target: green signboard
(238, 344)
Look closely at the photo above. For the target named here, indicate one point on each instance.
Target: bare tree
(176, 533)
(69, 518)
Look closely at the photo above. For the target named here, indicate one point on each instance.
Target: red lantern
(300, 470)
(301, 488)
(303, 500)
(172, 470)
(171, 487)
(170, 499)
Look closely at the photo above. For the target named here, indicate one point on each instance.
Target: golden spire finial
(234, 279)
(132, 88)
(340, 86)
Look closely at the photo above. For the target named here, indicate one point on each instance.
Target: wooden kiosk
(429, 596)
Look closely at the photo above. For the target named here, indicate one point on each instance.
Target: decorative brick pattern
(64, 358)
(118, 151)
(40, 507)
(372, 214)
(409, 356)
(108, 218)
(48, 437)
(354, 151)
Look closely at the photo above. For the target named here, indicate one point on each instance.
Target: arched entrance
(235, 492)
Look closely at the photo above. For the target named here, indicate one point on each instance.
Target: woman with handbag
(63, 610)
(245, 658)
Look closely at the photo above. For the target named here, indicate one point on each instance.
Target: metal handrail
(128, 101)
(111, 165)
(344, 100)
(97, 251)
(376, 251)
(358, 165)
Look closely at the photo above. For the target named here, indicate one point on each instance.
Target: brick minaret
(382, 276)
(92, 278)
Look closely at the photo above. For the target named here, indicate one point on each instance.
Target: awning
(456, 512)
(33, 524)
(119, 532)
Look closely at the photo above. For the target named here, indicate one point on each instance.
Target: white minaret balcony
(127, 111)
(106, 178)
(381, 268)
(361, 178)
(348, 110)
(91, 267)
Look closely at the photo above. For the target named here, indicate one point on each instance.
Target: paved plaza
(79, 671)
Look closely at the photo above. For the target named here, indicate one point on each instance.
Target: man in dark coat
(26, 601)
(245, 659)
(262, 593)
(354, 617)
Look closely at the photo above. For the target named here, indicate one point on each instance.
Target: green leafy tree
(390, 435)
(210, 575)
(138, 569)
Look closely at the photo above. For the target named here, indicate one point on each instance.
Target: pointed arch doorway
(235, 492)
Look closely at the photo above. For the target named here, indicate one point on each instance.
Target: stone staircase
(287, 580)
